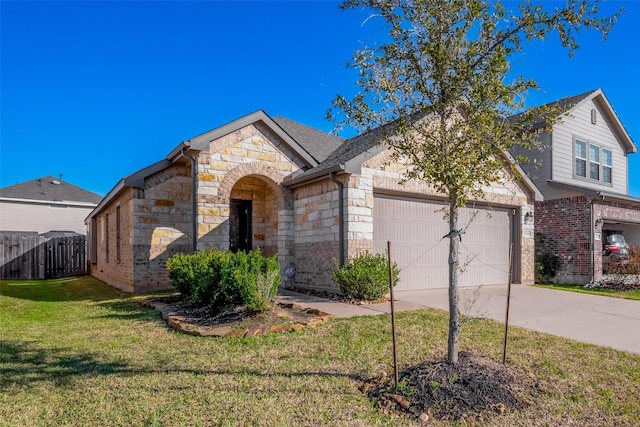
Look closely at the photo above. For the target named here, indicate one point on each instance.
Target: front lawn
(631, 294)
(76, 352)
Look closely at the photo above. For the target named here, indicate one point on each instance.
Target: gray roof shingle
(349, 150)
(319, 144)
(565, 105)
(49, 189)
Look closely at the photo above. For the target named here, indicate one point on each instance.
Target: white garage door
(415, 229)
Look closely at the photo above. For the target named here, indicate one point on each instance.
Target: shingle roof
(565, 105)
(319, 144)
(349, 150)
(49, 189)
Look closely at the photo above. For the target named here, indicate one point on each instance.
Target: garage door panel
(415, 229)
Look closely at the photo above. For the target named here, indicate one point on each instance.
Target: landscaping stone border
(180, 323)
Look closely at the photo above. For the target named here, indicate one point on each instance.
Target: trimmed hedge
(225, 278)
(366, 276)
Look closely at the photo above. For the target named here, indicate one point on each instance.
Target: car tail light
(612, 248)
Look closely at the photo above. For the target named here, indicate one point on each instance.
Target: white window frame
(584, 159)
(588, 160)
(608, 166)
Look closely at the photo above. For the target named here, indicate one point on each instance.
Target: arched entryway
(253, 215)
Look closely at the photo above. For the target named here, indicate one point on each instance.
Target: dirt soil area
(474, 389)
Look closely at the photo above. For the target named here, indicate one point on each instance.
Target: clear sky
(97, 90)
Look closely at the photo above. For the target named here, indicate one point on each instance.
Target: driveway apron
(606, 321)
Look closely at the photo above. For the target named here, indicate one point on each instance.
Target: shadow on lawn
(81, 288)
(24, 363)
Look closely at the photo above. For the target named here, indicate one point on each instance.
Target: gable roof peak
(567, 103)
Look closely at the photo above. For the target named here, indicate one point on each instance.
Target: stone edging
(179, 323)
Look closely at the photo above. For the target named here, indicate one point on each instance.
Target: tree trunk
(454, 313)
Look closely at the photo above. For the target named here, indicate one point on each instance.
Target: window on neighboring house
(606, 166)
(594, 162)
(581, 158)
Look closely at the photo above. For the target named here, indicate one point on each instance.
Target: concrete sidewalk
(606, 321)
(341, 309)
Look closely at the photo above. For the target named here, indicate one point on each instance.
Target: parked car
(615, 246)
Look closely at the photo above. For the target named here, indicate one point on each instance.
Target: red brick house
(310, 197)
(582, 174)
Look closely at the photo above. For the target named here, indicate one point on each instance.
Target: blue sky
(97, 90)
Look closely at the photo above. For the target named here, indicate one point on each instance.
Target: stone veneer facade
(300, 224)
(154, 223)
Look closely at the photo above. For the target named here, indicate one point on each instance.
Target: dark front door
(240, 225)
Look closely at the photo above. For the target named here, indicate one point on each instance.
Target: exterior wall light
(599, 222)
(528, 218)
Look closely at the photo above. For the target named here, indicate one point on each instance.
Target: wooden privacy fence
(30, 256)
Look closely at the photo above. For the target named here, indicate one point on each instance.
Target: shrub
(226, 279)
(366, 276)
(195, 275)
(242, 276)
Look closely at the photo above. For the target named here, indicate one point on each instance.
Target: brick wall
(108, 268)
(316, 234)
(155, 223)
(563, 230)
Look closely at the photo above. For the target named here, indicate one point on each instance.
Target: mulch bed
(474, 389)
(336, 296)
(184, 316)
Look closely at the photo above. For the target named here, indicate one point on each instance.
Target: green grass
(79, 353)
(633, 295)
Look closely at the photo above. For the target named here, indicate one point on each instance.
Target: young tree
(440, 85)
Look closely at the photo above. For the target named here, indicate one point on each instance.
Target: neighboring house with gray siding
(311, 198)
(45, 204)
(582, 173)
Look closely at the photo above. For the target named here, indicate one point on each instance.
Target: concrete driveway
(606, 321)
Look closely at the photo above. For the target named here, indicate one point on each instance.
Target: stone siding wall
(360, 213)
(248, 164)
(316, 234)
(162, 224)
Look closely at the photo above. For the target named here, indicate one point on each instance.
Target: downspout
(194, 205)
(592, 244)
(332, 177)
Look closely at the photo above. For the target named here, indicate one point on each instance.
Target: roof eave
(615, 121)
(49, 202)
(110, 196)
(537, 194)
(290, 182)
(593, 193)
(135, 180)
